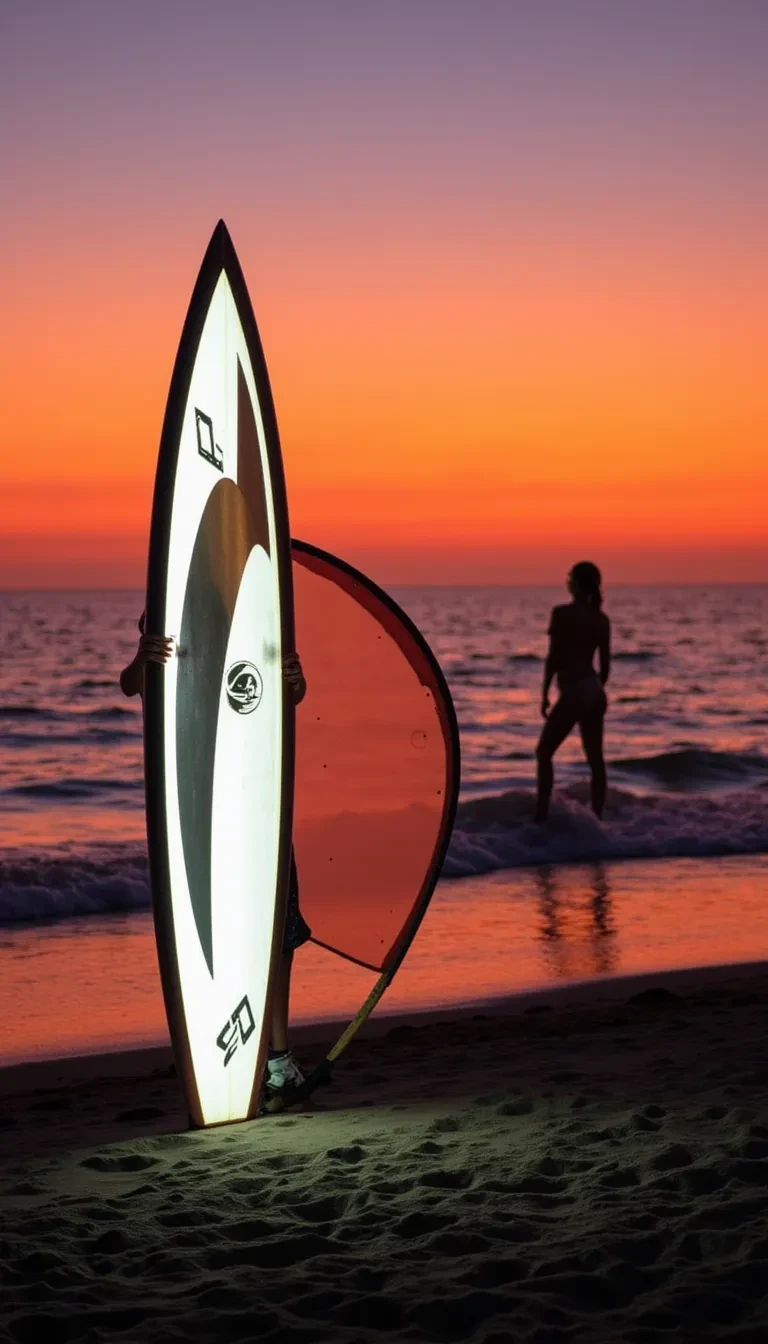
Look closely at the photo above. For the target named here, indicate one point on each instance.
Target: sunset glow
(511, 279)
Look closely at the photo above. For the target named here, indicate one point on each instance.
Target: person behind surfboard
(152, 649)
(283, 1073)
(576, 631)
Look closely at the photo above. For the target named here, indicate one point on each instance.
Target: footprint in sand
(458, 1317)
(455, 1179)
(248, 1185)
(26, 1188)
(110, 1243)
(619, 1179)
(536, 1184)
(669, 1159)
(449, 1124)
(184, 1217)
(248, 1230)
(352, 1155)
(122, 1162)
(164, 1141)
(459, 1244)
(418, 1224)
(737, 1213)
(579, 1102)
(755, 1148)
(643, 1123)
(386, 1311)
(518, 1106)
(323, 1210)
(494, 1273)
(641, 1250)
(286, 1162)
(751, 1173)
(491, 1099)
(312, 1305)
(139, 1114)
(274, 1254)
(392, 1187)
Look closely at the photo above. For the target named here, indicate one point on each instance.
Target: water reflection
(576, 928)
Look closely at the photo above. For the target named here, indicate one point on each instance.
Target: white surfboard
(218, 727)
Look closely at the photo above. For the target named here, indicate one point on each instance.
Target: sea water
(517, 905)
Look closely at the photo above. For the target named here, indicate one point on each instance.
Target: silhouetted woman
(577, 630)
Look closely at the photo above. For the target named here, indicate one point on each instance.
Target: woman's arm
(605, 650)
(550, 665)
(152, 649)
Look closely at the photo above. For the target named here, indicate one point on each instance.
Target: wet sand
(582, 1166)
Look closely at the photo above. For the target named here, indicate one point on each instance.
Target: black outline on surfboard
(447, 713)
(220, 256)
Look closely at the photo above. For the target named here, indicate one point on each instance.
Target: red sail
(377, 764)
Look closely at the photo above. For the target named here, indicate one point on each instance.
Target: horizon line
(556, 583)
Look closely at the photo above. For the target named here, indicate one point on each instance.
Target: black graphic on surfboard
(237, 1030)
(233, 522)
(207, 446)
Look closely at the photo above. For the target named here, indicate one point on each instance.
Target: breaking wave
(36, 888)
(498, 832)
(705, 804)
(696, 767)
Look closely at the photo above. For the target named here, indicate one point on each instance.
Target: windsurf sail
(377, 768)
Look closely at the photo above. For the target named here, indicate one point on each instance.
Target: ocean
(517, 906)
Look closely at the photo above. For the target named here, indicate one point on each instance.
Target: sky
(508, 258)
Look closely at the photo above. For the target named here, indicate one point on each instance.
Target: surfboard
(377, 775)
(218, 727)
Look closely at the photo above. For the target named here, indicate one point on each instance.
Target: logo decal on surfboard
(244, 687)
(207, 446)
(237, 1031)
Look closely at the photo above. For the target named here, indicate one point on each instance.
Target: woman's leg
(591, 729)
(296, 932)
(557, 727)
(281, 1001)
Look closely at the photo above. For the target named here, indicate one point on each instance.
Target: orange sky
(480, 384)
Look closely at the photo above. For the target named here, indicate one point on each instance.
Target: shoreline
(142, 1061)
(516, 932)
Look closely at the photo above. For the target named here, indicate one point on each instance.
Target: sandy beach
(581, 1166)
